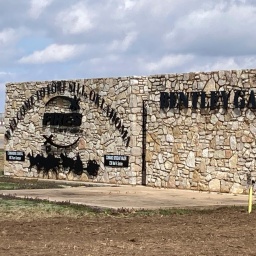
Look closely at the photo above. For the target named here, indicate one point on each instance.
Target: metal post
(144, 143)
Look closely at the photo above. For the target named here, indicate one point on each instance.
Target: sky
(71, 39)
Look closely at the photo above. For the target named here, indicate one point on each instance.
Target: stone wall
(202, 149)
(105, 105)
(186, 147)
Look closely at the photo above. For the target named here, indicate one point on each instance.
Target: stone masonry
(188, 148)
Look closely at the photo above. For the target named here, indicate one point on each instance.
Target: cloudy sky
(68, 39)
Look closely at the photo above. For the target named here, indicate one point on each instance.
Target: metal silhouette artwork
(48, 140)
(64, 164)
(92, 167)
(44, 164)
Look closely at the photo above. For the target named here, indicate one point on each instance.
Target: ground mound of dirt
(228, 231)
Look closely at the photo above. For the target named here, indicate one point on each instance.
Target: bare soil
(226, 231)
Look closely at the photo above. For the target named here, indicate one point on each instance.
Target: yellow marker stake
(250, 200)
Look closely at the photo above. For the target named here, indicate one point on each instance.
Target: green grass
(10, 183)
(35, 208)
(16, 208)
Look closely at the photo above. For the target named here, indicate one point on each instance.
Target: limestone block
(31, 128)
(202, 166)
(196, 176)
(135, 168)
(176, 159)
(53, 175)
(70, 176)
(136, 151)
(190, 162)
(233, 143)
(84, 177)
(208, 177)
(157, 148)
(35, 118)
(202, 187)
(160, 158)
(156, 165)
(225, 186)
(168, 165)
(204, 77)
(214, 185)
(236, 178)
(214, 119)
(210, 86)
(233, 161)
(171, 182)
(132, 180)
(176, 132)
(81, 144)
(149, 155)
(247, 139)
(133, 101)
(61, 176)
(250, 115)
(169, 138)
(253, 129)
(237, 189)
(135, 129)
(219, 154)
(228, 153)
(221, 175)
(205, 152)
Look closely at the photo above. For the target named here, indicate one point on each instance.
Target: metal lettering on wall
(15, 156)
(116, 160)
(214, 100)
(68, 120)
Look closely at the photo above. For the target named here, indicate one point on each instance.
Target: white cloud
(123, 45)
(129, 4)
(223, 63)
(222, 29)
(7, 36)
(99, 61)
(126, 5)
(3, 73)
(53, 53)
(167, 63)
(37, 7)
(75, 20)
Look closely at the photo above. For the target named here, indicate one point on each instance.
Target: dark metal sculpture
(68, 164)
(44, 164)
(48, 140)
(92, 168)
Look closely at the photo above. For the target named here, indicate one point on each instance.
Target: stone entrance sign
(200, 130)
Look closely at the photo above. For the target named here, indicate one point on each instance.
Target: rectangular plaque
(15, 156)
(116, 160)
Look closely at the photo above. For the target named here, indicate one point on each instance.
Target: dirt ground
(229, 231)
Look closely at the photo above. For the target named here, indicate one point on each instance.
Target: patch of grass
(188, 211)
(10, 183)
(17, 208)
(165, 212)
